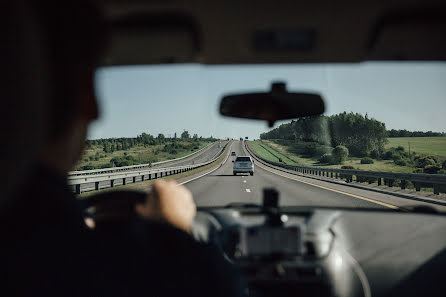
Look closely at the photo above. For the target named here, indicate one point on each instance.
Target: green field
(96, 157)
(435, 146)
(381, 165)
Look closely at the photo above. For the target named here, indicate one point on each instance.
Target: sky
(173, 98)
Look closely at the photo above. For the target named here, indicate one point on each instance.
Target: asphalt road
(221, 187)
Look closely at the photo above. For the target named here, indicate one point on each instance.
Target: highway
(221, 187)
(203, 156)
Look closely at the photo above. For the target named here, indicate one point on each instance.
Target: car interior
(291, 251)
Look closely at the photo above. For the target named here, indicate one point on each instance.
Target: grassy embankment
(97, 158)
(435, 146)
(145, 185)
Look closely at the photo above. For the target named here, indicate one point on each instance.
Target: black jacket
(46, 250)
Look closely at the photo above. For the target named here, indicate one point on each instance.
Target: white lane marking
(244, 181)
(248, 190)
(331, 189)
(187, 181)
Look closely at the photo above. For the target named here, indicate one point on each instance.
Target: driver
(47, 250)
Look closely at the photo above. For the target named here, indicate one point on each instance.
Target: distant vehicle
(241, 139)
(246, 137)
(233, 154)
(243, 164)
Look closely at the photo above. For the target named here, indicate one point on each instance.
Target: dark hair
(77, 36)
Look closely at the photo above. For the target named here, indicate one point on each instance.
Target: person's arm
(171, 203)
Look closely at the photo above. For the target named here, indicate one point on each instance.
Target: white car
(243, 164)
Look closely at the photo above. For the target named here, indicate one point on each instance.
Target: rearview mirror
(277, 104)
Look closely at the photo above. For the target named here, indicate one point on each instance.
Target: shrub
(87, 167)
(444, 164)
(374, 154)
(367, 160)
(426, 161)
(396, 158)
(340, 154)
(347, 167)
(431, 169)
(326, 158)
(400, 149)
(388, 155)
(400, 162)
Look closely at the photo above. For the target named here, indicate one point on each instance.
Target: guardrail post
(96, 186)
(319, 172)
(403, 184)
(134, 179)
(112, 183)
(436, 190)
(417, 187)
(123, 181)
(142, 177)
(156, 175)
(379, 181)
(78, 189)
(332, 174)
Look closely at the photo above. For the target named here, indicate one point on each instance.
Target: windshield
(243, 159)
(380, 117)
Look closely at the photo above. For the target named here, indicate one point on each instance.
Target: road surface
(221, 187)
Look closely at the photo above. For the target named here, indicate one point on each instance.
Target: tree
(339, 154)
(195, 137)
(161, 138)
(185, 135)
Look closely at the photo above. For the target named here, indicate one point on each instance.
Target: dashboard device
(258, 241)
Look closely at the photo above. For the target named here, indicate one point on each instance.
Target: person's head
(24, 92)
(77, 38)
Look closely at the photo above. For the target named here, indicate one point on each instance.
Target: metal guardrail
(435, 181)
(136, 175)
(139, 166)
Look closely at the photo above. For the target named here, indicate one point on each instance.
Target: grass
(152, 153)
(435, 146)
(145, 185)
(261, 151)
(381, 165)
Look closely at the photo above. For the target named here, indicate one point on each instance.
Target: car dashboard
(333, 252)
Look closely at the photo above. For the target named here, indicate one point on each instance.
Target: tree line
(360, 134)
(110, 145)
(406, 133)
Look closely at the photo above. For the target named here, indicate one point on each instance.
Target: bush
(444, 164)
(400, 149)
(396, 158)
(375, 154)
(340, 154)
(400, 162)
(347, 167)
(87, 167)
(326, 158)
(426, 161)
(367, 160)
(388, 155)
(431, 169)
